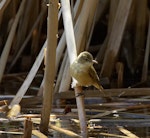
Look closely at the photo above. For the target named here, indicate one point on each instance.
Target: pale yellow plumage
(83, 71)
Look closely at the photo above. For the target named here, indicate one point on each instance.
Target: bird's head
(86, 58)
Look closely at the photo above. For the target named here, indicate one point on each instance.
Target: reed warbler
(83, 71)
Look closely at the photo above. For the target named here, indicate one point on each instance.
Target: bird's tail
(99, 87)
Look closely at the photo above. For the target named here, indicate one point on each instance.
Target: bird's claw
(80, 94)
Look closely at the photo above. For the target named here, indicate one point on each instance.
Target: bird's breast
(81, 73)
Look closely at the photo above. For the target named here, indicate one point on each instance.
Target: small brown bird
(83, 71)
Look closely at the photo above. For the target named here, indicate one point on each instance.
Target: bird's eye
(87, 59)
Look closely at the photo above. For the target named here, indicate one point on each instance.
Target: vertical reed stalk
(52, 30)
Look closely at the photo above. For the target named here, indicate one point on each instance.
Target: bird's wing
(93, 74)
(95, 78)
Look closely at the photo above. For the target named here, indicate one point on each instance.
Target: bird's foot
(80, 94)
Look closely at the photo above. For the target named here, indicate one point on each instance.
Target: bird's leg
(76, 84)
(80, 94)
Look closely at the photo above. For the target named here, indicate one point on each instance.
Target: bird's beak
(94, 61)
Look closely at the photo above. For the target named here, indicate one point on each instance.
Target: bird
(83, 72)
